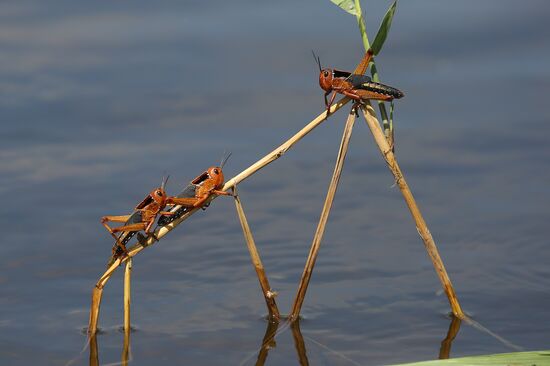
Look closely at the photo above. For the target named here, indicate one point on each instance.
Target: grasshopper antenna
(164, 181)
(317, 59)
(224, 159)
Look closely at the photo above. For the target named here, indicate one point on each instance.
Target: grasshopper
(354, 84)
(198, 192)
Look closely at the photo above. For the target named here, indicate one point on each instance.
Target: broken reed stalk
(316, 244)
(127, 292)
(269, 295)
(429, 243)
(162, 231)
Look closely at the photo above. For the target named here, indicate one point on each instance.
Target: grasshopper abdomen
(188, 192)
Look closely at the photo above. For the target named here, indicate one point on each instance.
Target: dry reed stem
(316, 244)
(387, 154)
(162, 231)
(97, 293)
(269, 295)
(127, 294)
(281, 150)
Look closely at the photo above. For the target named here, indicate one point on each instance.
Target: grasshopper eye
(159, 193)
(216, 171)
(325, 73)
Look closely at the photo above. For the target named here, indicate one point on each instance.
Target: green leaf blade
(384, 29)
(538, 358)
(346, 5)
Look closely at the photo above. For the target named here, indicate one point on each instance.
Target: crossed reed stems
(269, 295)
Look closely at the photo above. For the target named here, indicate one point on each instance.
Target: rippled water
(99, 100)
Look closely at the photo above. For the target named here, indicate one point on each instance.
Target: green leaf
(347, 5)
(384, 29)
(538, 358)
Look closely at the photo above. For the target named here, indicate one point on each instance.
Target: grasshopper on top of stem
(354, 84)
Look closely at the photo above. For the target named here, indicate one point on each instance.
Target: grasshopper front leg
(329, 104)
(222, 193)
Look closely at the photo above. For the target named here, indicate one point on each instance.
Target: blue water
(98, 100)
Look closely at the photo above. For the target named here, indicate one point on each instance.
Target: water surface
(99, 100)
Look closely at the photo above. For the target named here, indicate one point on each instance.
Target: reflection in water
(94, 356)
(299, 343)
(126, 348)
(268, 343)
(94, 350)
(271, 331)
(454, 327)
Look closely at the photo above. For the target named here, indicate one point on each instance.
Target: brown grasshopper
(354, 84)
(144, 216)
(198, 192)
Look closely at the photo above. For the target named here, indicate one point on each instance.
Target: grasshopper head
(325, 75)
(215, 174)
(159, 194)
(325, 79)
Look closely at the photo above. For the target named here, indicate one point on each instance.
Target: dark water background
(99, 99)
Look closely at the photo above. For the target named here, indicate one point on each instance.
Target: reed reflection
(269, 343)
(126, 347)
(94, 355)
(454, 327)
(94, 350)
(299, 343)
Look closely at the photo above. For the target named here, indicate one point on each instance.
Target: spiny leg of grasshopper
(105, 219)
(121, 218)
(131, 227)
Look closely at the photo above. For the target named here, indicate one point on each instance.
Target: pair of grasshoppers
(196, 195)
